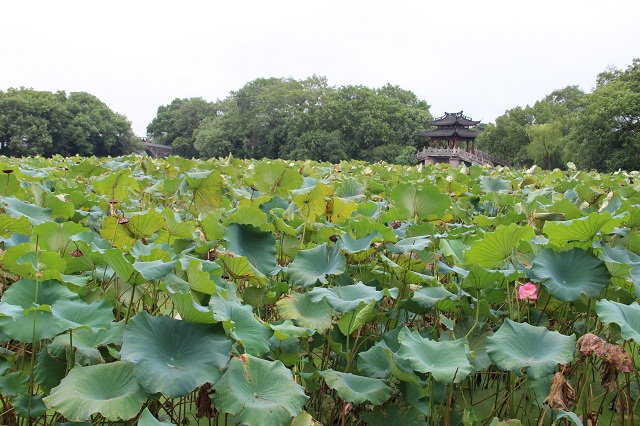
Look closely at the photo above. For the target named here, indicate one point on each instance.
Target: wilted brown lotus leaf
(614, 358)
(561, 396)
(205, 408)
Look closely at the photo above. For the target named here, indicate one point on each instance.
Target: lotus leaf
(167, 354)
(570, 273)
(358, 389)
(582, 229)
(241, 324)
(495, 247)
(306, 313)
(147, 419)
(313, 265)
(446, 361)
(206, 189)
(423, 203)
(109, 389)
(346, 298)
(258, 392)
(257, 246)
(626, 316)
(522, 347)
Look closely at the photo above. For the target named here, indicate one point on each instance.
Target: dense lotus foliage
(175, 291)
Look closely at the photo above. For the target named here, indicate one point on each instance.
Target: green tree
(508, 138)
(373, 118)
(92, 128)
(259, 119)
(606, 132)
(545, 147)
(44, 123)
(177, 124)
(318, 145)
(534, 134)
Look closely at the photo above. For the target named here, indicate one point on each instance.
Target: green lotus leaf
(494, 247)
(313, 265)
(311, 201)
(176, 228)
(23, 294)
(376, 362)
(118, 262)
(10, 225)
(258, 392)
(17, 208)
(109, 389)
(11, 185)
(351, 321)
(477, 341)
(116, 186)
(480, 278)
(352, 246)
(423, 203)
(257, 246)
(85, 344)
(188, 308)
(346, 298)
(241, 324)
(582, 229)
(409, 244)
(520, 346)
(124, 232)
(380, 362)
(287, 330)
(454, 249)
(56, 236)
(490, 184)
(154, 270)
(626, 316)
(351, 189)
(23, 260)
(72, 314)
(206, 189)
(240, 268)
(306, 313)
(147, 419)
(168, 354)
(250, 215)
(357, 389)
(276, 178)
(426, 297)
(446, 361)
(25, 408)
(404, 272)
(570, 273)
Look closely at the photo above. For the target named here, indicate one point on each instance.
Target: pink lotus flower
(528, 291)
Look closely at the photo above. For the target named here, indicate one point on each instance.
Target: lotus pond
(159, 292)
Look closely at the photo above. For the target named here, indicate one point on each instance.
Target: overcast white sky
(483, 56)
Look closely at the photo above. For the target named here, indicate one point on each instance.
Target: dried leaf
(561, 396)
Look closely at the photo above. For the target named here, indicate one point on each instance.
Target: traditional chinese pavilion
(445, 142)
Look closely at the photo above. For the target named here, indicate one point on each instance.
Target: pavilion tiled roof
(452, 119)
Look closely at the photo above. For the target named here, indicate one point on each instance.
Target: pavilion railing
(475, 157)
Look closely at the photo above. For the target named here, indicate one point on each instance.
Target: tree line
(599, 130)
(45, 123)
(309, 119)
(297, 120)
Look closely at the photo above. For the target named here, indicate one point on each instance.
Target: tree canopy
(599, 130)
(45, 123)
(297, 119)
